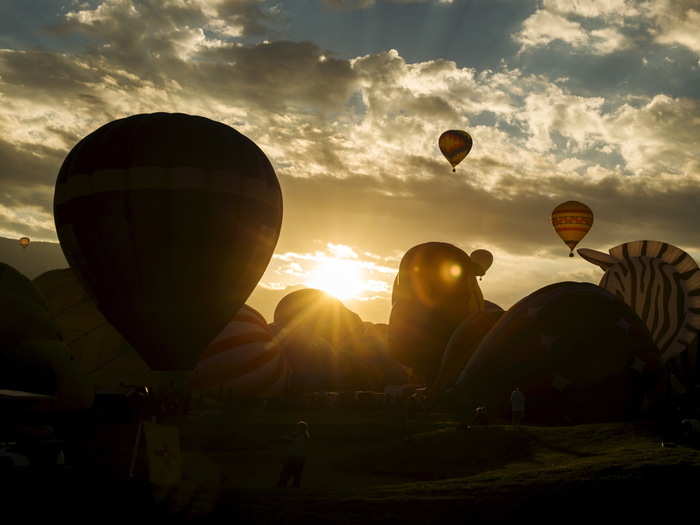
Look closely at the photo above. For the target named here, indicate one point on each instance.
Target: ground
(368, 467)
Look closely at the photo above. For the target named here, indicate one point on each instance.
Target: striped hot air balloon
(571, 221)
(243, 360)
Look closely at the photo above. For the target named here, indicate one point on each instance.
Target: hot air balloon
(170, 221)
(106, 358)
(577, 352)
(571, 221)
(243, 360)
(435, 290)
(483, 259)
(462, 345)
(312, 314)
(438, 275)
(32, 356)
(24, 241)
(455, 145)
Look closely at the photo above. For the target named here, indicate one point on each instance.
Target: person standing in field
(517, 405)
(293, 466)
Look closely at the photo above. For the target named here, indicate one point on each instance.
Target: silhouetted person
(296, 457)
(481, 416)
(517, 406)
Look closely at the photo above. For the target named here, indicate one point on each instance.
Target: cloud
(354, 140)
(364, 4)
(593, 8)
(676, 23)
(604, 27)
(543, 27)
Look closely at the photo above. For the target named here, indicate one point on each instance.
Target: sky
(589, 100)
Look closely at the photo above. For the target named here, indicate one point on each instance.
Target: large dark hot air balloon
(576, 351)
(170, 221)
(455, 145)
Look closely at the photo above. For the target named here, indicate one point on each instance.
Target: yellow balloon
(455, 145)
(24, 242)
(572, 220)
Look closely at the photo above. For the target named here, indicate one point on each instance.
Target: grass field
(370, 467)
(373, 467)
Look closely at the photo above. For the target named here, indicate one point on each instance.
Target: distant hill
(37, 258)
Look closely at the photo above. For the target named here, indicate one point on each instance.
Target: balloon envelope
(24, 242)
(170, 221)
(483, 259)
(438, 275)
(25, 315)
(243, 360)
(572, 220)
(102, 352)
(313, 314)
(462, 345)
(455, 145)
(576, 351)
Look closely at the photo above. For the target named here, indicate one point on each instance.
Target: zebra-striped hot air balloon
(243, 360)
(661, 283)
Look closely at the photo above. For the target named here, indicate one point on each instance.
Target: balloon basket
(171, 390)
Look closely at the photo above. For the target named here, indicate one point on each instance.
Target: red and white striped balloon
(243, 359)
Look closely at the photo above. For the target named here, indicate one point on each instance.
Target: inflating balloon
(461, 346)
(572, 220)
(313, 314)
(243, 360)
(24, 241)
(483, 259)
(455, 145)
(439, 275)
(101, 351)
(576, 351)
(170, 221)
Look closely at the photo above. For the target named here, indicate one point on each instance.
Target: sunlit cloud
(354, 140)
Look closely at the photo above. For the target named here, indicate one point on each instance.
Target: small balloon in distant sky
(483, 259)
(24, 242)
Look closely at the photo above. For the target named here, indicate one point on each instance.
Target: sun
(340, 278)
